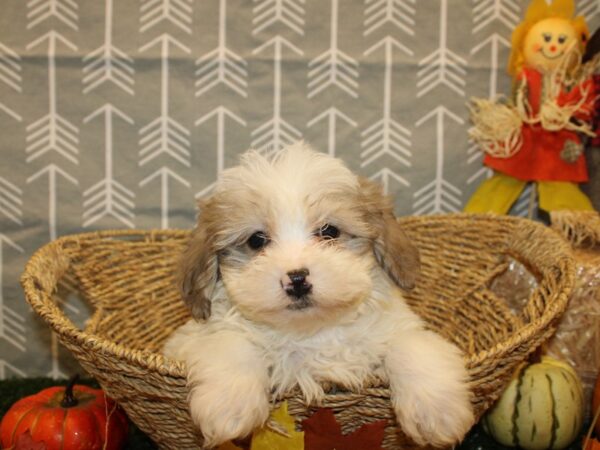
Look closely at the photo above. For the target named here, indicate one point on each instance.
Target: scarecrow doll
(537, 135)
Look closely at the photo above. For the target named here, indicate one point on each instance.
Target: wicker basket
(127, 278)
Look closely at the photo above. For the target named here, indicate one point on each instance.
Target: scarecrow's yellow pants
(498, 193)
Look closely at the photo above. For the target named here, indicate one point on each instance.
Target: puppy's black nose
(298, 286)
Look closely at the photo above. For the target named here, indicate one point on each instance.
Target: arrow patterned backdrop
(119, 114)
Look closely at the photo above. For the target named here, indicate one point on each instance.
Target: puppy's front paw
(437, 415)
(225, 411)
(430, 393)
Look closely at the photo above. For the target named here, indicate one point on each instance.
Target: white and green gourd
(542, 407)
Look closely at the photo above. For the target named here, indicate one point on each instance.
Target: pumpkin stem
(69, 399)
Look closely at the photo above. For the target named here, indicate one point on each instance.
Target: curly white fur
(356, 323)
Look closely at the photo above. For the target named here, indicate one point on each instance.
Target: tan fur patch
(198, 268)
(393, 250)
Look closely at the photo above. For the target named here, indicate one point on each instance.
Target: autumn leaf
(323, 432)
(267, 439)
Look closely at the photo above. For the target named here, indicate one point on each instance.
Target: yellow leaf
(265, 439)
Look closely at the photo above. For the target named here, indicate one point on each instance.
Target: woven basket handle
(40, 282)
(537, 246)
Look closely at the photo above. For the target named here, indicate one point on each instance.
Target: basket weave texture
(127, 276)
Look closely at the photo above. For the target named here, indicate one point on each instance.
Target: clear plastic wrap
(577, 339)
(514, 285)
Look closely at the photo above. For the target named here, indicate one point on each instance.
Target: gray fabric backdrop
(117, 113)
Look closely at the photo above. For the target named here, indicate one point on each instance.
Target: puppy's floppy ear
(198, 272)
(393, 249)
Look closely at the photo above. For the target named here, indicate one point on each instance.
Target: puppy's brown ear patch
(394, 251)
(398, 255)
(198, 272)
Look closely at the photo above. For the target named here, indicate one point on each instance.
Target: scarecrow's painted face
(547, 42)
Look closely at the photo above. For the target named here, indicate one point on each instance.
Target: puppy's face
(295, 240)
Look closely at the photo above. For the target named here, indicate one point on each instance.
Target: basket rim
(42, 303)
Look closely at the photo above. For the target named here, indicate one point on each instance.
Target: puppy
(293, 276)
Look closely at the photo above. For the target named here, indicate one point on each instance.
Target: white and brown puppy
(294, 275)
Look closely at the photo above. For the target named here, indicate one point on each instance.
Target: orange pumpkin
(75, 417)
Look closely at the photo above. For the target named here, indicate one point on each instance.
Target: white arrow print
(221, 113)
(443, 66)
(53, 171)
(164, 173)
(108, 63)
(12, 324)
(331, 115)
(588, 8)
(10, 112)
(399, 13)
(164, 134)
(4, 372)
(385, 176)
(221, 65)
(52, 132)
(485, 12)
(333, 67)
(108, 196)
(275, 134)
(10, 68)
(439, 196)
(527, 203)
(11, 202)
(63, 10)
(386, 136)
(475, 156)
(494, 41)
(178, 12)
(10, 74)
(288, 12)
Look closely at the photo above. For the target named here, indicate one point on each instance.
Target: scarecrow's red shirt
(539, 158)
(596, 140)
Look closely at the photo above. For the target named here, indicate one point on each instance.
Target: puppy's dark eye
(258, 240)
(328, 231)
